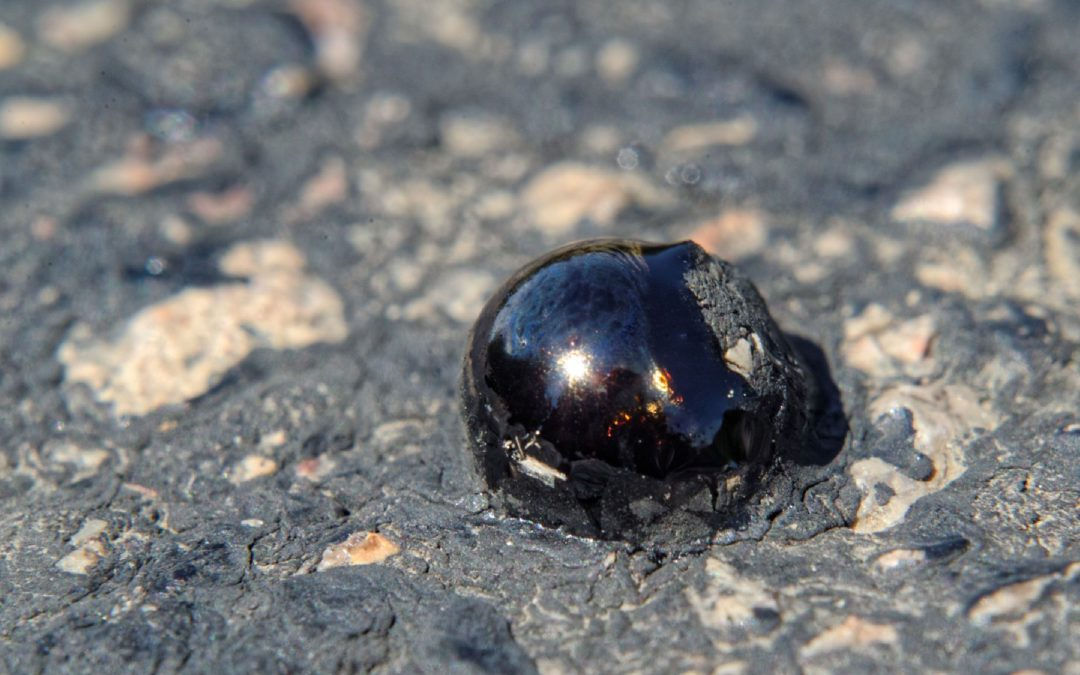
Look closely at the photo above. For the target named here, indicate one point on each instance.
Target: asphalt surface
(242, 244)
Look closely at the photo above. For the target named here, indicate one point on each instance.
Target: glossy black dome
(656, 360)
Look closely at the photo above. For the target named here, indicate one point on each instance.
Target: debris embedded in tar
(623, 389)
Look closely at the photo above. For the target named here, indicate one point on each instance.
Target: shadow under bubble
(829, 426)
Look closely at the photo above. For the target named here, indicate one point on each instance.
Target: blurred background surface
(242, 242)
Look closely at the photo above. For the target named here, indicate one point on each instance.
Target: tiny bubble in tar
(622, 389)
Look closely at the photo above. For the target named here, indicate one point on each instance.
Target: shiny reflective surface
(600, 351)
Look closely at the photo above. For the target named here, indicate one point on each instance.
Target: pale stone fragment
(943, 417)
(961, 193)
(25, 117)
(563, 195)
(252, 467)
(361, 548)
(852, 633)
(180, 347)
(73, 28)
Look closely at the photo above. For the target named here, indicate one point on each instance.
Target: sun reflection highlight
(574, 365)
(661, 381)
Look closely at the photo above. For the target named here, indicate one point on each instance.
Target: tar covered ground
(242, 244)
